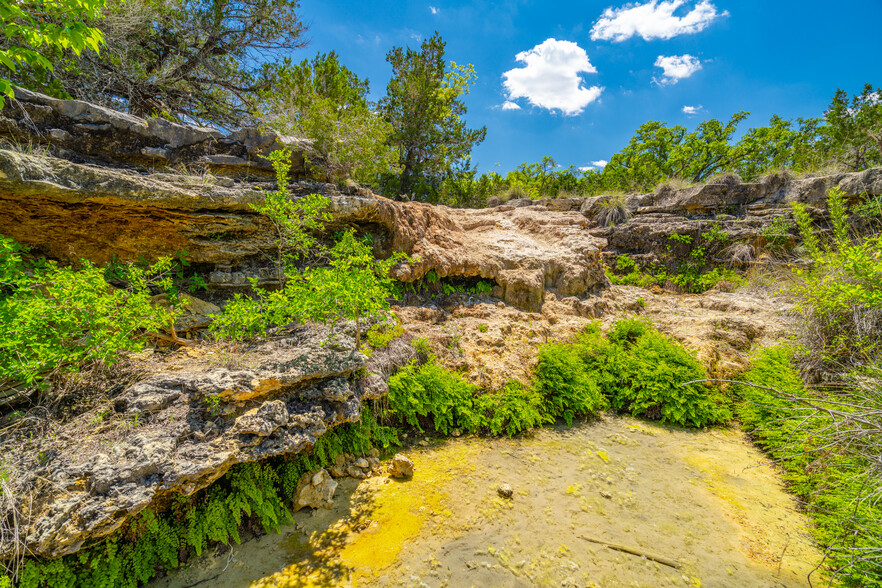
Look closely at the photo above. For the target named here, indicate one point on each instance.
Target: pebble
(606, 493)
(505, 490)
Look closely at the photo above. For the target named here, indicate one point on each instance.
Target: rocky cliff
(78, 181)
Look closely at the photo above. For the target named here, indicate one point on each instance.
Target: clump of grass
(612, 210)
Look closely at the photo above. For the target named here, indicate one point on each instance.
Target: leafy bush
(840, 298)
(655, 370)
(61, 318)
(513, 409)
(568, 389)
(827, 443)
(629, 331)
(418, 394)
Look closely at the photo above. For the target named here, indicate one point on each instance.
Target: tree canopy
(424, 104)
(42, 27)
(324, 101)
(189, 60)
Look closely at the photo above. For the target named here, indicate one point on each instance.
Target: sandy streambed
(689, 498)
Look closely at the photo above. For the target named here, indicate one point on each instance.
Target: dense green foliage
(635, 369)
(30, 30)
(352, 284)
(822, 464)
(839, 299)
(187, 60)
(423, 103)
(567, 387)
(325, 102)
(62, 318)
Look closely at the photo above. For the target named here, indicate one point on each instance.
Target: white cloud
(509, 105)
(433, 9)
(599, 163)
(653, 20)
(587, 168)
(690, 110)
(551, 77)
(676, 68)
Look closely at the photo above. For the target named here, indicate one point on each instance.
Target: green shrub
(513, 409)
(61, 318)
(840, 298)
(568, 390)
(629, 331)
(419, 394)
(655, 370)
(821, 459)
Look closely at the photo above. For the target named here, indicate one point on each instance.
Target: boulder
(177, 431)
(315, 490)
(401, 466)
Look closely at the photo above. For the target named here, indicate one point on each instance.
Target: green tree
(424, 104)
(645, 160)
(354, 285)
(325, 102)
(187, 60)
(40, 26)
(852, 133)
(707, 150)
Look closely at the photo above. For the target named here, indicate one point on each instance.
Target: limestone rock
(505, 491)
(401, 466)
(315, 490)
(179, 430)
(264, 420)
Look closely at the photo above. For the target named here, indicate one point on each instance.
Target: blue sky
(573, 80)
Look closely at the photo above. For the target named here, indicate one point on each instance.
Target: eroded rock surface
(201, 412)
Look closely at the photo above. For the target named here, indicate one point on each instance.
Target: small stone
(456, 433)
(606, 494)
(505, 490)
(423, 443)
(361, 463)
(401, 466)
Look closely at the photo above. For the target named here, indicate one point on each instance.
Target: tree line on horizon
(195, 61)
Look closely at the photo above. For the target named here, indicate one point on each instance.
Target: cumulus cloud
(595, 165)
(690, 110)
(551, 77)
(509, 105)
(653, 20)
(676, 68)
(433, 9)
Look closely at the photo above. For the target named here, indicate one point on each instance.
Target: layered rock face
(742, 210)
(197, 414)
(70, 208)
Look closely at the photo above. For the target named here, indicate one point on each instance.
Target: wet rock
(315, 490)
(505, 491)
(401, 466)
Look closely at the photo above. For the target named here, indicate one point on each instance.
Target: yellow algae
(385, 516)
(604, 456)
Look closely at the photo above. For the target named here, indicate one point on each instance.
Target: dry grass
(672, 184)
(613, 211)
